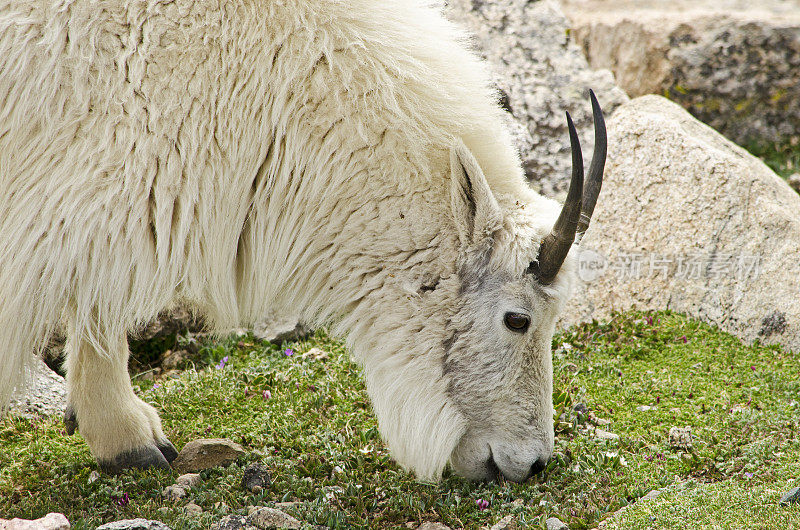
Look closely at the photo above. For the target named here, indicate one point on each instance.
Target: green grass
(782, 157)
(740, 400)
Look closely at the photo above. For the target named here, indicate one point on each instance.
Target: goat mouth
(492, 469)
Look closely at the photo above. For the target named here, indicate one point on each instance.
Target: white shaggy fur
(261, 156)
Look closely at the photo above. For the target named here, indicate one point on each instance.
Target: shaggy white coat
(243, 158)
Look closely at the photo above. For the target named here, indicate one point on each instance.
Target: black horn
(577, 210)
(591, 189)
(556, 245)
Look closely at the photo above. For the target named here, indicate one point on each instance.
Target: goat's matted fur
(247, 158)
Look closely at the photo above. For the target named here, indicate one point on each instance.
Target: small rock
(233, 522)
(188, 480)
(651, 495)
(51, 521)
(198, 455)
(680, 438)
(255, 478)
(506, 523)
(279, 329)
(337, 470)
(581, 408)
(600, 434)
(93, 476)
(601, 421)
(193, 509)
(315, 354)
(172, 359)
(173, 493)
(791, 497)
(433, 526)
(265, 518)
(554, 523)
(644, 408)
(794, 182)
(134, 524)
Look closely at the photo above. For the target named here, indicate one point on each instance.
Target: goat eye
(517, 322)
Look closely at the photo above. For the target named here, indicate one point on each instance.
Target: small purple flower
(748, 474)
(288, 352)
(683, 339)
(482, 504)
(222, 362)
(122, 500)
(155, 387)
(266, 394)
(753, 368)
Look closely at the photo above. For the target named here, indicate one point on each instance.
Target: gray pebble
(791, 497)
(554, 523)
(255, 478)
(188, 480)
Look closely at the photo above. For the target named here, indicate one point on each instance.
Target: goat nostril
(539, 466)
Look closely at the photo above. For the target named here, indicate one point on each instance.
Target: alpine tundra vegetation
(344, 160)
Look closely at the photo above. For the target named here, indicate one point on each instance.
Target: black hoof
(142, 458)
(168, 450)
(70, 420)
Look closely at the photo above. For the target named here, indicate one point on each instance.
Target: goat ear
(475, 210)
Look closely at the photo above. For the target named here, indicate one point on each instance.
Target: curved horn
(556, 245)
(595, 179)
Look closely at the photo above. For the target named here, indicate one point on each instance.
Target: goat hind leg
(122, 430)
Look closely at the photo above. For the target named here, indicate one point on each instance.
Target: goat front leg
(122, 430)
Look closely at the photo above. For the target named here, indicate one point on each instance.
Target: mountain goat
(344, 159)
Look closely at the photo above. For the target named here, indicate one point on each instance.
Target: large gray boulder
(734, 64)
(543, 73)
(689, 221)
(45, 393)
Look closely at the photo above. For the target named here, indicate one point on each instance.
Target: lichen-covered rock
(735, 65)
(198, 455)
(554, 523)
(233, 522)
(46, 394)
(280, 328)
(542, 73)
(51, 521)
(267, 518)
(691, 222)
(255, 478)
(188, 480)
(173, 493)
